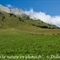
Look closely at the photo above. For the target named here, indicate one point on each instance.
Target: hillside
(9, 20)
(16, 18)
(23, 38)
(23, 23)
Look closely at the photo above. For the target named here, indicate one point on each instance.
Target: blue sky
(51, 7)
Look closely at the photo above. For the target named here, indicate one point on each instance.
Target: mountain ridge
(11, 10)
(10, 19)
(16, 18)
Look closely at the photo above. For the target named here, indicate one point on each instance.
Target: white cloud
(8, 5)
(44, 17)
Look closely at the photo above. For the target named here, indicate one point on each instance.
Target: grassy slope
(22, 38)
(27, 25)
(15, 42)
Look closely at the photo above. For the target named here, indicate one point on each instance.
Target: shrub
(11, 14)
(43, 26)
(3, 17)
(20, 19)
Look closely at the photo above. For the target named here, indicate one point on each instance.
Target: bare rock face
(15, 11)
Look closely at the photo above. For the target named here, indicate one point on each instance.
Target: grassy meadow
(14, 42)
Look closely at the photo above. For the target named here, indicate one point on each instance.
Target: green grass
(22, 36)
(15, 42)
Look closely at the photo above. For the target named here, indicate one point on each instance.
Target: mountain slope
(9, 20)
(21, 13)
(24, 23)
(15, 18)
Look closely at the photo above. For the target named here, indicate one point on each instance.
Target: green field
(14, 42)
(22, 38)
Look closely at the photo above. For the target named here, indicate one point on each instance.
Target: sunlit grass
(15, 42)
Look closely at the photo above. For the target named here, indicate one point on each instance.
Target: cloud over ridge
(9, 6)
(44, 17)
